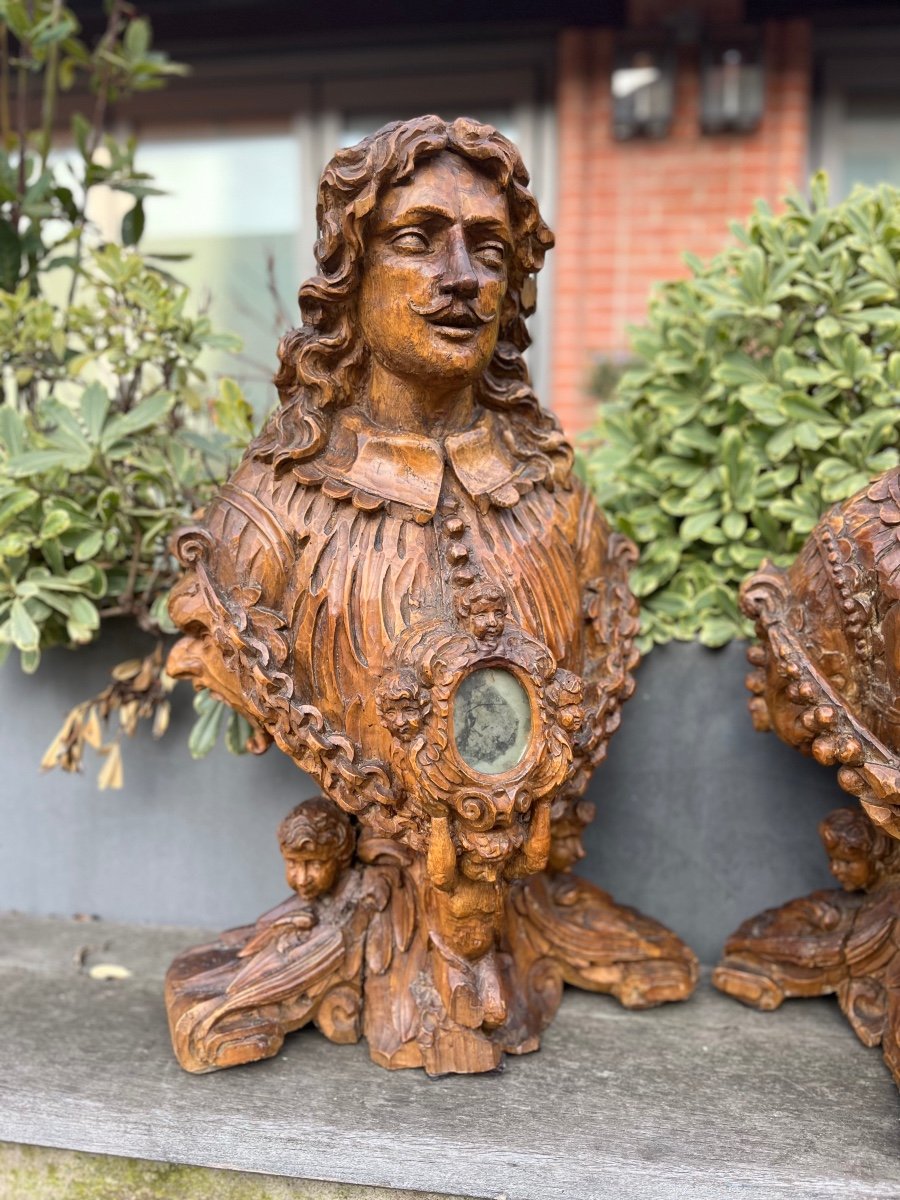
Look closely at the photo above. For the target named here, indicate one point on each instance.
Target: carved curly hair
(848, 832)
(318, 827)
(325, 363)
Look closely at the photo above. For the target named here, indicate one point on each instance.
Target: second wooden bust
(826, 679)
(406, 589)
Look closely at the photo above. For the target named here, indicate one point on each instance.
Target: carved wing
(282, 971)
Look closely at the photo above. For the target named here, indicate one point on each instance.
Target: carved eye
(411, 241)
(492, 254)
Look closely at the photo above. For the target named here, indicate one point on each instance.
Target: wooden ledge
(702, 1099)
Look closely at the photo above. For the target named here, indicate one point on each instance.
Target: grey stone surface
(701, 821)
(700, 1100)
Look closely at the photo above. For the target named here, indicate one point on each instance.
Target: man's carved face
(435, 273)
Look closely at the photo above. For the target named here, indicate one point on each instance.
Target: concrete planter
(184, 842)
(701, 821)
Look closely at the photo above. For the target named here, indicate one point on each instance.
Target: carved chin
(472, 938)
(475, 868)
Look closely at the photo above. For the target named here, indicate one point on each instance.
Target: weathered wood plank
(699, 1100)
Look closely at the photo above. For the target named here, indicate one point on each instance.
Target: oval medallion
(491, 720)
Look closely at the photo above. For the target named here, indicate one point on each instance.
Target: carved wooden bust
(404, 586)
(826, 678)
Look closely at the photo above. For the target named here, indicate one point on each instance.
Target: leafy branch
(766, 389)
(111, 435)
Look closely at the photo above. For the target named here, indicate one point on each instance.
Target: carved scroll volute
(205, 655)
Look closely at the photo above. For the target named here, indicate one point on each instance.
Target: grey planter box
(701, 821)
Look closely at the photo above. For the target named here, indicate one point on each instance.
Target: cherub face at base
(854, 874)
(309, 876)
(317, 842)
(856, 850)
(435, 272)
(566, 848)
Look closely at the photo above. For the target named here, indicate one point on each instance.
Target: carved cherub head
(317, 842)
(860, 855)
(429, 240)
(482, 608)
(402, 703)
(566, 694)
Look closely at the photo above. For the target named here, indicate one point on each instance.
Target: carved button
(457, 554)
(455, 527)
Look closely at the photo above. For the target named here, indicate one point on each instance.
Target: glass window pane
(233, 205)
(356, 126)
(872, 140)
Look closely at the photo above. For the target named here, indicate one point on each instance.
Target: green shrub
(767, 388)
(110, 433)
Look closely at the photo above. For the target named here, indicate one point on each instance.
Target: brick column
(629, 210)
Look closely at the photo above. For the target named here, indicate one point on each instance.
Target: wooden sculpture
(826, 678)
(405, 588)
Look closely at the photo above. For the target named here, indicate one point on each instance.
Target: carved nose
(460, 278)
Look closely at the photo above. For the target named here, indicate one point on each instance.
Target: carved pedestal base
(366, 960)
(832, 942)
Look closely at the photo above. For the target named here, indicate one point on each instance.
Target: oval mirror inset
(491, 720)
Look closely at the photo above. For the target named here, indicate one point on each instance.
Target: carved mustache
(459, 313)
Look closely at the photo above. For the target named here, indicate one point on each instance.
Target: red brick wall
(628, 210)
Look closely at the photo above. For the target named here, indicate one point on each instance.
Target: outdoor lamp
(731, 82)
(643, 90)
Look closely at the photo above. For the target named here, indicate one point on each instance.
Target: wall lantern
(643, 89)
(731, 82)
